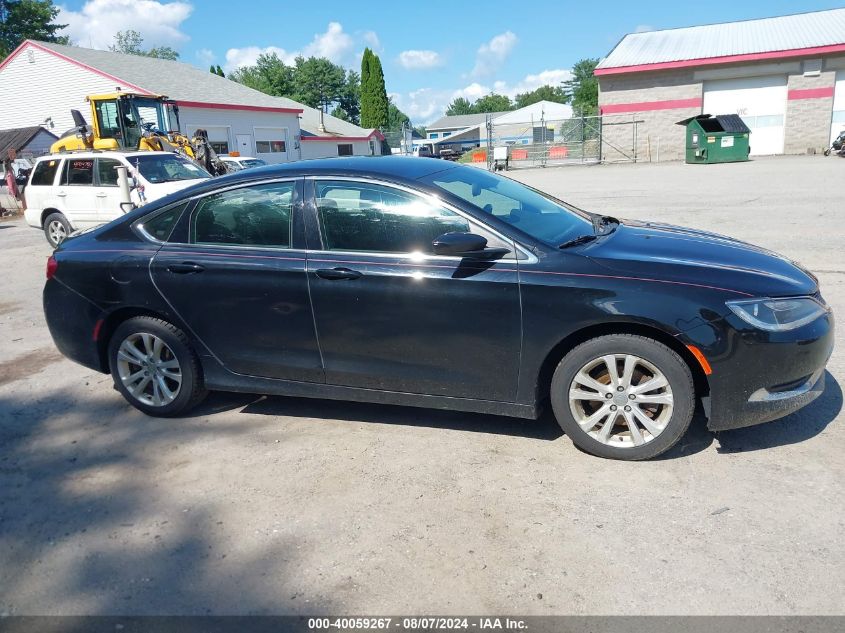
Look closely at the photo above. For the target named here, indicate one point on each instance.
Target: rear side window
(250, 216)
(161, 226)
(44, 174)
(78, 171)
(107, 171)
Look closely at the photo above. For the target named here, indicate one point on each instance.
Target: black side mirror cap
(466, 245)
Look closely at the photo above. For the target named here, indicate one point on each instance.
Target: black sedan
(424, 283)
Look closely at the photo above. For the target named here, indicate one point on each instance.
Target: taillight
(52, 266)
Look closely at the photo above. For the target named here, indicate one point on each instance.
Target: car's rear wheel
(56, 228)
(154, 367)
(623, 396)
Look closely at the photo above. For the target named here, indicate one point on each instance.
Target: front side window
(344, 149)
(157, 168)
(107, 171)
(542, 217)
(107, 119)
(369, 217)
(259, 215)
(44, 173)
(78, 171)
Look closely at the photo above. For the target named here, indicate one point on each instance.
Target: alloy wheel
(56, 231)
(148, 369)
(621, 400)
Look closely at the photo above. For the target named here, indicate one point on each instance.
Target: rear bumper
(72, 321)
(762, 376)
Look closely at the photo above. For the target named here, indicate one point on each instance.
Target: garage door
(760, 101)
(838, 123)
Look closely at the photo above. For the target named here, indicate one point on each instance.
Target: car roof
(102, 154)
(393, 167)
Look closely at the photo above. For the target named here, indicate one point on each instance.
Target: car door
(76, 191)
(106, 191)
(234, 271)
(392, 316)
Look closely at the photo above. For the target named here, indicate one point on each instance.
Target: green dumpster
(723, 138)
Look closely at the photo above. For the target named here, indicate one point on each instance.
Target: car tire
(648, 407)
(56, 228)
(155, 367)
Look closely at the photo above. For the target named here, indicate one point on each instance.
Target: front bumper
(761, 376)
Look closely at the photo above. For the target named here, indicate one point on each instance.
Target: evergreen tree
(460, 106)
(219, 71)
(366, 101)
(379, 95)
(28, 20)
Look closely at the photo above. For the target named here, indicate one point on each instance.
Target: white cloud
(371, 39)
(247, 56)
(334, 44)
(491, 55)
(531, 82)
(419, 60)
(206, 56)
(97, 22)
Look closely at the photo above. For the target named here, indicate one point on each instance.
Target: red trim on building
(232, 106)
(725, 59)
(645, 106)
(26, 43)
(810, 93)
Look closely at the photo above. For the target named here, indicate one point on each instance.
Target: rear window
(44, 174)
(78, 171)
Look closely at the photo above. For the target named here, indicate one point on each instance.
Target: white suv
(79, 190)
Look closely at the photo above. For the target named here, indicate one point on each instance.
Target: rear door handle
(101, 195)
(185, 268)
(338, 273)
(61, 194)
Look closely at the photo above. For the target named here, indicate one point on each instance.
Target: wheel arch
(112, 322)
(48, 211)
(563, 347)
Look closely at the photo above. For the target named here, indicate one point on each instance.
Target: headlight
(778, 315)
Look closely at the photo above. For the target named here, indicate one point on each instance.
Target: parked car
(414, 282)
(79, 190)
(238, 163)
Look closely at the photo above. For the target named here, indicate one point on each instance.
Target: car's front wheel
(56, 229)
(154, 367)
(623, 396)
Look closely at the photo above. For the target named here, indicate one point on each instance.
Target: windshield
(252, 162)
(157, 168)
(537, 214)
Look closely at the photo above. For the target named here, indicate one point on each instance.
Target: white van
(69, 192)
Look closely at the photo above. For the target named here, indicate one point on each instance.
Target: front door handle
(338, 273)
(185, 268)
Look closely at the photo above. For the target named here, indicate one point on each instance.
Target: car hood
(154, 191)
(680, 254)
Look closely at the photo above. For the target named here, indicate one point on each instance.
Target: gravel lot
(282, 505)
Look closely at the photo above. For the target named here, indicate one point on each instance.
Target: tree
(349, 103)
(460, 106)
(269, 74)
(365, 101)
(129, 42)
(374, 101)
(318, 82)
(543, 93)
(583, 89)
(28, 20)
(216, 70)
(492, 103)
(395, 117)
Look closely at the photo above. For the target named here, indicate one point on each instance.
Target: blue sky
(432, 51)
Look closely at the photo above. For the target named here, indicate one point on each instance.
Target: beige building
(785, 76)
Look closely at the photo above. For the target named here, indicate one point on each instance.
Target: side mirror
(467, 245)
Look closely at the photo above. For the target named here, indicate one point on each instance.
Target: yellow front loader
(132, 121)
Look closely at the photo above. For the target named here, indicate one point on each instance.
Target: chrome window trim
(530, 258)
